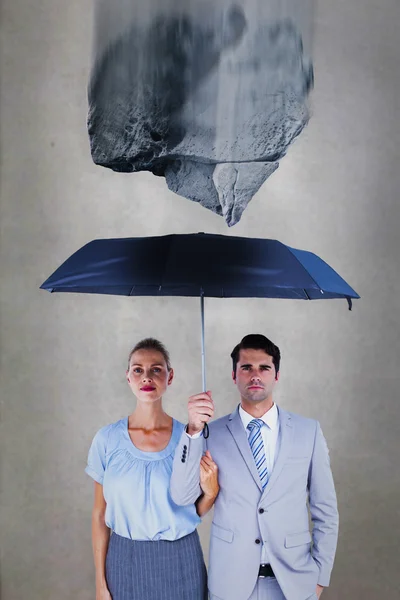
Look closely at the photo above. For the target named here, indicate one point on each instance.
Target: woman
(154, 551)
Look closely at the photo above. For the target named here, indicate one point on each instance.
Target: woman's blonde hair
(151, 344)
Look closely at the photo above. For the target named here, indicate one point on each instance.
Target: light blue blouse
(136, 485)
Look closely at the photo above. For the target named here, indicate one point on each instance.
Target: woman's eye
(157, 370)
(137, 370)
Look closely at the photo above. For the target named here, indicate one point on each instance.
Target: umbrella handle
(206, 431)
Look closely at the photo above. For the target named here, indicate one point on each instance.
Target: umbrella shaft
(206, 432)
(203, 352)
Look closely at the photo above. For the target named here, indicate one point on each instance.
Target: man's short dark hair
(256, 341)
(151, 344)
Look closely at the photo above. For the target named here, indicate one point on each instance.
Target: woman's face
(148, 376)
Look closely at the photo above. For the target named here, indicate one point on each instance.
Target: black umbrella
(198, 265)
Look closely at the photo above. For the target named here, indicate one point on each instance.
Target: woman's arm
(204, 504)
(100, 539)
(208, 483)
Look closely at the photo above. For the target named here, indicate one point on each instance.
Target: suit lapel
(286, 438)
(236, 428)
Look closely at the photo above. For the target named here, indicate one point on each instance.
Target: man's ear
(277, 376)
(170, 376)
(234, 376)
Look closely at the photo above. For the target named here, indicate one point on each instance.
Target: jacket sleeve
(185, 477)
(323, 508)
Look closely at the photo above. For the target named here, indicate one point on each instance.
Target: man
(272, 464)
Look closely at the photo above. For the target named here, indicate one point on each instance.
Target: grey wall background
(63, 357)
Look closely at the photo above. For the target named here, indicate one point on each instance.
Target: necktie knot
(255, 424)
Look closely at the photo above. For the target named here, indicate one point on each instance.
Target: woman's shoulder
(112, 429)
(178, 429)
(178, 425)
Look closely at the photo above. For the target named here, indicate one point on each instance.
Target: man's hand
(320, 589)
(201, 410)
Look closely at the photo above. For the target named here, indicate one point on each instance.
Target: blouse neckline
(148, 455)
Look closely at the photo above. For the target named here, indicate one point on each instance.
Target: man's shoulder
(300, 421)
(220, 424)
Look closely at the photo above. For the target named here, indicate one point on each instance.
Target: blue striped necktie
(257, 448)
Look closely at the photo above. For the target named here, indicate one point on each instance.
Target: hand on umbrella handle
(201, 410)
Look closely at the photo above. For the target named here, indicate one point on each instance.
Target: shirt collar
(270, 418)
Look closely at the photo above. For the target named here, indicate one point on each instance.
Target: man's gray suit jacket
(244, 514)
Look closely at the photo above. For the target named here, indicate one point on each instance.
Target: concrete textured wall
(63, 356)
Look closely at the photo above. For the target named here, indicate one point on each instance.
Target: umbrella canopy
(198, 265)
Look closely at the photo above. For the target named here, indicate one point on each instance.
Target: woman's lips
(147, 388)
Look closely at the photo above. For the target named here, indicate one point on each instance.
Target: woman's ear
(170, 376)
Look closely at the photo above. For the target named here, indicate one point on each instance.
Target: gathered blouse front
(136, 485)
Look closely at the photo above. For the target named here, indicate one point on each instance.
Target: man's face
(255, 375)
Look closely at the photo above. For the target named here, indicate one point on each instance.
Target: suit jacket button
(261, 510)
(258, 541)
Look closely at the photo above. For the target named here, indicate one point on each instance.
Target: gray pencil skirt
(160, 570)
